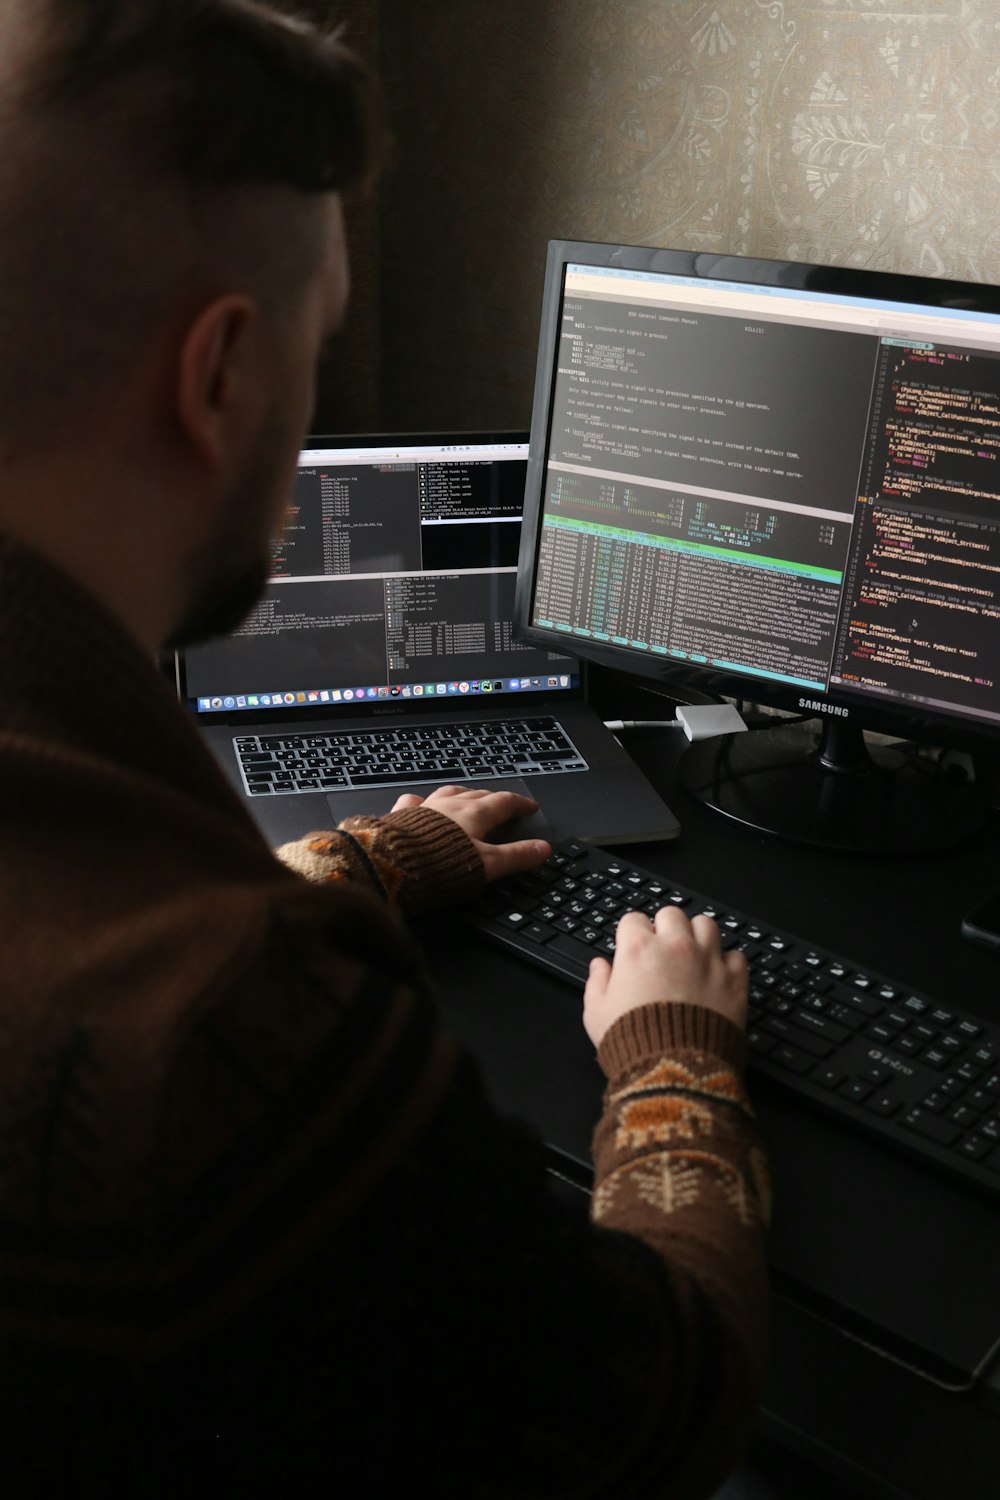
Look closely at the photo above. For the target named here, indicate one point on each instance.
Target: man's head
(171, 259)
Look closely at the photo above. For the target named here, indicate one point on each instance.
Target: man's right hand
(666, 959)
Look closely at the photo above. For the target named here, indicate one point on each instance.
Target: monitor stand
(835, 792)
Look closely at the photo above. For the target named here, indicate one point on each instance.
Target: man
(259, 1228)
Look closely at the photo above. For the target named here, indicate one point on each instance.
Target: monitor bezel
(899, 719)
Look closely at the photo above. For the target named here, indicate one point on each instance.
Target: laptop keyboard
(917, 1075)
(280, 765)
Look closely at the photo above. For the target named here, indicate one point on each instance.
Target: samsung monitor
(779, 483)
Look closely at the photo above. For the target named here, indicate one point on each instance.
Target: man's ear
(217, 382)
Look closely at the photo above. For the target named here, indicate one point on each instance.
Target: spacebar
(400, 778)
(575, 955)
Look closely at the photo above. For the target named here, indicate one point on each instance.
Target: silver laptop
(382, 657)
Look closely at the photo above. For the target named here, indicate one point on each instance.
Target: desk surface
(873, 1256)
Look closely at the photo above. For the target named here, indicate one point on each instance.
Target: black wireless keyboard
(919, 1076)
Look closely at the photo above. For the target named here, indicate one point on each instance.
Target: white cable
(698, 723)
(615, 724)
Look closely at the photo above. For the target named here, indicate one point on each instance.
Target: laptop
(387, 628)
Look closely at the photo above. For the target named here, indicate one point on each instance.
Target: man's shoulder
(189, 1045)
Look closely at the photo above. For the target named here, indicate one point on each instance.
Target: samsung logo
(824, 708)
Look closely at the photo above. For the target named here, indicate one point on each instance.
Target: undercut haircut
(151, 148)
(222, 92)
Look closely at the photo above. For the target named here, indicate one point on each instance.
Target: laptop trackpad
(369, 804)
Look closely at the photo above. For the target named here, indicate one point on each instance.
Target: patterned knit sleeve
(417, 859)
(679, 1166)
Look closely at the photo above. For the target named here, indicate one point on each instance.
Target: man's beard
(229, 573)
(221, 602)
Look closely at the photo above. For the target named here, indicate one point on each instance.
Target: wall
(845, 131)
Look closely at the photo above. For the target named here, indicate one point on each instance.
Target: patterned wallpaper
(845, 131)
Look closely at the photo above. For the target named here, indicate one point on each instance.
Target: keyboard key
(780, 1026)
(855, 1089)
(911, 1046)
(863, 1003)
(386, 778)
(976, 1148)
(843, 1015)
(898, 1020)
(938, 1103)
(791, 1058)
(759, 1041)
(882, 1104)
(932, 1127)
(822, 1026)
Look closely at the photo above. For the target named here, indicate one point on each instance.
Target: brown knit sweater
(260, 1230)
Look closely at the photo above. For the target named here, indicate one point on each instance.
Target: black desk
(859, 1232)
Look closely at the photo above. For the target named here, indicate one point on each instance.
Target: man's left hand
(478, 813)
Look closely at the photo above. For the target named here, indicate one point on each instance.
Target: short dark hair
(230, 92)
(131, 128)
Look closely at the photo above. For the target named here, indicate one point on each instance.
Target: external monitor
(780, 483)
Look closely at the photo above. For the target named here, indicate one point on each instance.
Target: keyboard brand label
(890, 1062)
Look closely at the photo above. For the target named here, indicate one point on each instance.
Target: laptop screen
(393, 579)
